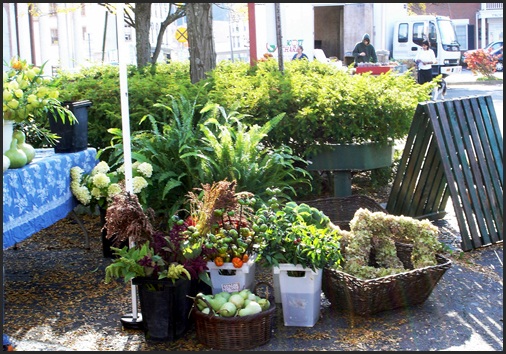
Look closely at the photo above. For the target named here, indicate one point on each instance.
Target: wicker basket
(366, 297)
(341, 210)
(236, 333)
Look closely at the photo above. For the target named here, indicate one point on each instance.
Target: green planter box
(354, 157)
(345, 158)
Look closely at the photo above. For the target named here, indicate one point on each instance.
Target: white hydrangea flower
(138, 183)
(101, 180)
(83, 195)
(121, 169)
(101, 167)
(96, 193)
(76, 173)
(113, 189)
(145, 169)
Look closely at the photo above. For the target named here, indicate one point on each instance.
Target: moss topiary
(378, 232)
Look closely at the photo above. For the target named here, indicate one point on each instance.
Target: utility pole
(279, 41)
(230, 35)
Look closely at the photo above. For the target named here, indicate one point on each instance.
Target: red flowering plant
(481, 62)
(157, 254)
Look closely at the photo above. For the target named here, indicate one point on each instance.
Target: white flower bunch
(102, 184)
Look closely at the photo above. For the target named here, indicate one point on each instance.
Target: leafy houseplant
(197, 145)
(296, 234)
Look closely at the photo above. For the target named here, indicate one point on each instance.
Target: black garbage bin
(73, 137)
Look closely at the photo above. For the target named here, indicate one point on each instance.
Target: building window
(83, 9)
(84, 33)
(54, 36)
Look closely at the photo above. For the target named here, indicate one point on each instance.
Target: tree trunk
(142, 25)
(200, 40)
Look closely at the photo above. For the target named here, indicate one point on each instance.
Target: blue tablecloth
(38, 194)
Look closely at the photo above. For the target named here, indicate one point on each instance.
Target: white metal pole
(125, 123)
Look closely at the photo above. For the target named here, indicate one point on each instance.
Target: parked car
(498, 54)
(492, 45)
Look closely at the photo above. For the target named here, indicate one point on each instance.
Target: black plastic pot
(73, 137)
(165, 307)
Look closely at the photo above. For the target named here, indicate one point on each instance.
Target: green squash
(23, 145)
(16, 156)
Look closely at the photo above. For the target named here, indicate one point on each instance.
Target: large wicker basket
(341, 210)
(236, 333)
(349, 294)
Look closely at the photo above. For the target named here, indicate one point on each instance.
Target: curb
(488, 82)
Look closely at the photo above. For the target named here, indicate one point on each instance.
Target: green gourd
(16, 156)
(27, 148)
(7, 163)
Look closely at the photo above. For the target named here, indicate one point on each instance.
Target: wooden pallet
(454, 150)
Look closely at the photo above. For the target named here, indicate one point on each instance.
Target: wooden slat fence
(454, 150)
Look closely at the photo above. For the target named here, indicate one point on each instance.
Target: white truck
(336, 28)
(409, 32)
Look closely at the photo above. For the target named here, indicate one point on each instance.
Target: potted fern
(166, 266)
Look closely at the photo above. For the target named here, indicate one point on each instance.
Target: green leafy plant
(237, 151)
(481, 62)
(28, 97)
(332, 105)
(207, 145)
(296, 234)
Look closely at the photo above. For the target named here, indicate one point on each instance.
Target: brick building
(469, 20)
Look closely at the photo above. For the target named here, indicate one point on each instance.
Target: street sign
(181, 35)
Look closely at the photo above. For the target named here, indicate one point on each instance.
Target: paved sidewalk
(55, 300)
(467, 78)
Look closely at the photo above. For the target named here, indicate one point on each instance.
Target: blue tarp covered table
(38, 194)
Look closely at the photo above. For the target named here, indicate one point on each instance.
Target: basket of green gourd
(237, 320)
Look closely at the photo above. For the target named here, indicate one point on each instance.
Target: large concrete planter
(345, 158)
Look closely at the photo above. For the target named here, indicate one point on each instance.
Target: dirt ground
(55, 299)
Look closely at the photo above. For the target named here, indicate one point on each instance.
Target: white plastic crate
(243, 278)
(300, 296)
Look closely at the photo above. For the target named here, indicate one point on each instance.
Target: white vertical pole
(125, 121)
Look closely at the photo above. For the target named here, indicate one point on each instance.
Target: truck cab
(409, 33)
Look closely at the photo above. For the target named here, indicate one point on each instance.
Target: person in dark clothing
(299, 54)
(364, 51)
